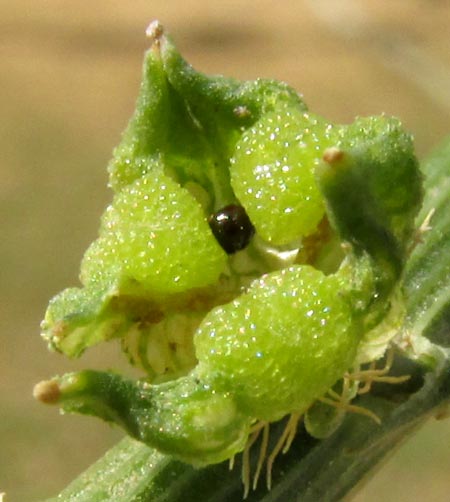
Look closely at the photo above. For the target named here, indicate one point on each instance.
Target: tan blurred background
(69, 73)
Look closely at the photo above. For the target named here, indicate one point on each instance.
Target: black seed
(232, 228)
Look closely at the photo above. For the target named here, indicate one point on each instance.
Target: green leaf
(427, 280)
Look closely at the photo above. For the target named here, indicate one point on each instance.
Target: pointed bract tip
(332, 155)
(47, 392)
(154, 31)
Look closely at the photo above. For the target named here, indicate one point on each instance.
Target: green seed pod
(272, 173)
(273, 332)
(136, 265)
(282, 344)
(137, 248)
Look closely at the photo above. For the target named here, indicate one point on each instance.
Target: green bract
(259, 346)
(272, 173)
(229, 343)
(137, 249)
